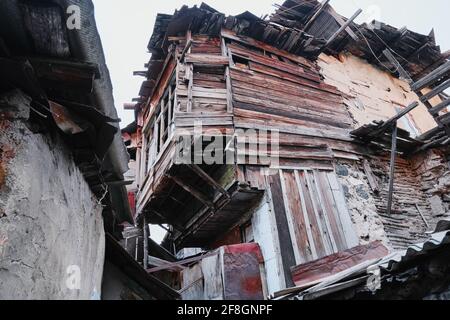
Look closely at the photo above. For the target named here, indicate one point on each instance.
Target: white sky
(126, 26)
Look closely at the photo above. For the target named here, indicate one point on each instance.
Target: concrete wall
(49, 219)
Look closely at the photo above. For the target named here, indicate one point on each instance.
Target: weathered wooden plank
(435, 91)
(206, 59)
(265, 47)
(344, 215)
(272, 63)
(330, 210)
(322, 218)
(289, 214)
(438, 108)
(292, 78)
(294, 204)
(193, 191)
(392, 168)
(370, 177)
(305, 215)
(277, 85)
(321, 247)
(431, 77)
(287, 251)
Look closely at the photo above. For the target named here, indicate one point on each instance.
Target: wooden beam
(392, 168)
(190, 79)
(434, 65)
(435, 110)
(394, 119)
(341, 21)
(432, 77)
(132, 233)
(201, 197)
(316, 14)
(341, 29)
(435, 91)
(156, 262)
(206, 177)
(145, 232)
(186, 49)
(370, 177)
(206, 59)
(176, 226)
(181, 263)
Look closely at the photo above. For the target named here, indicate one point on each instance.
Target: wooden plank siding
(274, 91)
(317, 221)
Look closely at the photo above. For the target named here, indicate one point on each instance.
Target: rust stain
(252, 284)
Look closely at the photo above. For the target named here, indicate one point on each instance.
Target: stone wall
(361, 203)
(420, 198)
(51, 226)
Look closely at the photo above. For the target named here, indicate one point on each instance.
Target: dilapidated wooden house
(352, 121)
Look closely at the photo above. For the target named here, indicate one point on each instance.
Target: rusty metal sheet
(242, 278)
(64, 119)
(335, 263)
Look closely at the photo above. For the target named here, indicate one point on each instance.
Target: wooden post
(342, 28)
(392, 168)
(145, 233)
(208, 179)
(198, 195)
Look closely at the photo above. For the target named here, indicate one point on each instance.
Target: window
(159, 133)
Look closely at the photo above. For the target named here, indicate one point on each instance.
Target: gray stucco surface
(51, 226)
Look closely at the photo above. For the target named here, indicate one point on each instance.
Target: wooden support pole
(392, 168)
(341, 29)
(432, 77)
(145, 232)
(206, 177)
(441, 106)
(443, 86)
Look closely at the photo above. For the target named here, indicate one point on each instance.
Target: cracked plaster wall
(49, 219)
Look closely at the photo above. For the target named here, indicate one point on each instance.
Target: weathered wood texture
(315, 271)
(315, 220)
(274, 91)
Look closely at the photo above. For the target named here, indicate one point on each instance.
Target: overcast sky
(126, 26)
